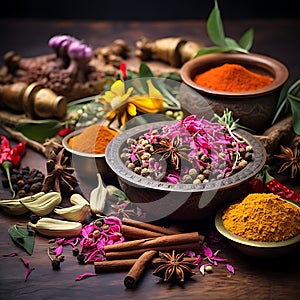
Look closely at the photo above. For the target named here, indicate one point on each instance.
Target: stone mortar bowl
(255, 109)
(181, 202)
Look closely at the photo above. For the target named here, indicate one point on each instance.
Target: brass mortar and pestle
(173, 50)
(34, 100)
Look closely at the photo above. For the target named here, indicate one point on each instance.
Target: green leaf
(246, 40)
(22, 236)
(208, 50)
(233, 45)
(295, 107)
(39, 130)
(295, 89)
(215, 28)
(117, 194)
(145, 71)
(172, 76)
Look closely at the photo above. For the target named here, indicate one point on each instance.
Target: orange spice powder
(232, 78)
(93, 139)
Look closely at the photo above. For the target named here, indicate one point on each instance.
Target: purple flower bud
(56, 40)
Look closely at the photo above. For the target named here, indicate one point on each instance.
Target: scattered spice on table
(25, 181)
(59, 176)
(138, 268)
(256, 184)
(264, 217)
(232, 78)
(191, 150)
(276, 187)
(291, 160)
(10, 157)
(265, 182)
(172, 267)
(93, 139)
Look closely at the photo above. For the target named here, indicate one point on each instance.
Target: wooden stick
(152, 243)
(113, 265)
(134, 253)
(11, 118)
(138, 268)
(148, 226)
(21, 137)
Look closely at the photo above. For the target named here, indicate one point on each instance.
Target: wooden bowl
(255, 109)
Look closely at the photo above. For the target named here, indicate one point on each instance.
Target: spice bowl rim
(254, 246)
(115, 163)
(278, 70)
(72, 150)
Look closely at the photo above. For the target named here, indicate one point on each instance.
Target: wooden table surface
(254, 278)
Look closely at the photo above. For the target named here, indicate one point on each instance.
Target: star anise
(59, 175)
(173, 267)
(126, 210)
(173, 150)
(291, 160)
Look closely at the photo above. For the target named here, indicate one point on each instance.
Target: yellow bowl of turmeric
(262, 225)
(87, 146)
(247, 84)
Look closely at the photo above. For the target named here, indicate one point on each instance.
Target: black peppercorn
(75, 251)
(81, 258)
(55, 264)
(34, 219)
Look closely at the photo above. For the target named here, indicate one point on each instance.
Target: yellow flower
(123, 106)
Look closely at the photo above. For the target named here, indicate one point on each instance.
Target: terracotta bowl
(256, 248)
(184, 202)
(254, 109)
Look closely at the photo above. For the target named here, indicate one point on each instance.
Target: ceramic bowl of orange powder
(247, 84)
(87, 147)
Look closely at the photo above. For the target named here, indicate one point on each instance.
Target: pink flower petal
(58, 250)
(25, 262)
(230, 268)
(198, 260)
(84, 275)
(217, 258)
(12, 254)
(28, 272)
(189, 253)
(207, 251)
(60, 241)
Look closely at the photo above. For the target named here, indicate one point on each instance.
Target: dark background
(146, 10)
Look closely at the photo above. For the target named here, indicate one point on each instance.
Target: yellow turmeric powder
(263, 217)
(93, 139)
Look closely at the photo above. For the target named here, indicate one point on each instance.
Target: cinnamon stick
(134, 253)
(154, 243)
(131, 232)
(138, 268)
(148, 226)
(113, 265)
(125, 264)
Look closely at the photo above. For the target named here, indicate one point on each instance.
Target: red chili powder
(232, 78)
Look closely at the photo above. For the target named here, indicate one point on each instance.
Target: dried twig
(20, 137)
